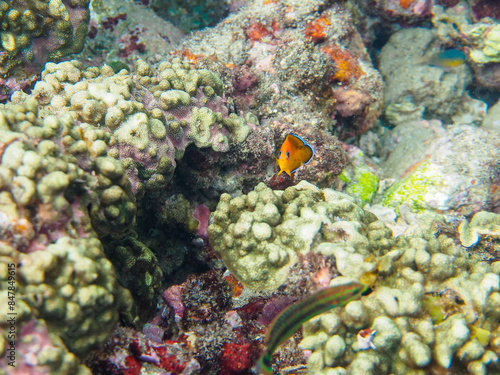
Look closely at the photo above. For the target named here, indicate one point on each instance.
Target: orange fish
(294, 153)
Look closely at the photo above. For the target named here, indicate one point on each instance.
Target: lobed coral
(425, 309)
(48, 200)
(150, 115)
(259, 236)
(35, 32)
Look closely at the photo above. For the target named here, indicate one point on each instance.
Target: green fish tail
(264, 366)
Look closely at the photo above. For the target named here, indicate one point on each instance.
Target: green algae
(366, 186)
(413, 188)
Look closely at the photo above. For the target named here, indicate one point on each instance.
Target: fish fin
(305, 149)
(307, 152)
(295, 140)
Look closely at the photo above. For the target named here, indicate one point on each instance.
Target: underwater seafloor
(145, 227)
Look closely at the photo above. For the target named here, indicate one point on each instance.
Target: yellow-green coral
(260, 235)
(486, 39)
(365, 186)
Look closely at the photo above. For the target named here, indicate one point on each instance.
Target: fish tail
(264, 366)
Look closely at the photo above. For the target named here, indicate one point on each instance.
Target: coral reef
(414, 87)
(150, 115)
(124, 31)
(456, 171)
(148, 162)
(276, 52)
(359, 178)
(34, 33)
(483, 223)
(491, 121)
(424, 308)
(49, 198)
(191, 14)
(259, 236)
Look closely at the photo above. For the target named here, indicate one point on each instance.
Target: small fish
(290, 319)
(450, 58)
(294, 153)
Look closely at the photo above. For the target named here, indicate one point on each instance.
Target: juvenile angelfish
(448, 59)
(294, 153)
(290, 319)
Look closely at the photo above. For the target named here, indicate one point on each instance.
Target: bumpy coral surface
(37, 31)
(433, 304)
(48, 201)
(145, 118)
(426, 310)
(260, 235)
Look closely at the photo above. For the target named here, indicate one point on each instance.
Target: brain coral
(148, 117)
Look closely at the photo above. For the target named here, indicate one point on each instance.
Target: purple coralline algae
(143, 224)
(146, 118)
(36, 32)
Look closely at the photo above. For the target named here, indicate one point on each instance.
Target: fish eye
(288, 155)
(279, 156)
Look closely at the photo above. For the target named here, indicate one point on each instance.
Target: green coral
(359, 178)
(486, 39)
(365, 187)
(25, 23)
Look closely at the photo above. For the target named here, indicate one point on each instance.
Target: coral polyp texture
(259, 236)
(49, 200)
(425, 309)
(34, 32)
(146, 118)
(434, 305)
